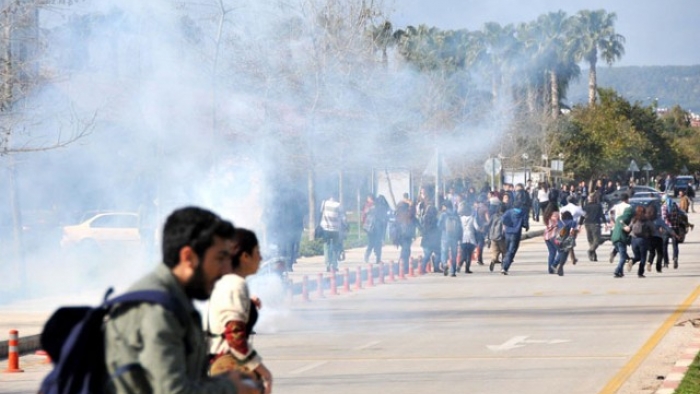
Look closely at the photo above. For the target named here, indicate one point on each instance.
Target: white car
(108, 229)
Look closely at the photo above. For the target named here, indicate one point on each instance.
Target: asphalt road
(528, 332)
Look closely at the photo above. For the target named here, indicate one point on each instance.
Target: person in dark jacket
(621, 238)
(430, 241)
(593, 218)
(514, 220)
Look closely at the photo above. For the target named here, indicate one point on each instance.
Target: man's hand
(256, 301)
(266, 377)
(244, 384)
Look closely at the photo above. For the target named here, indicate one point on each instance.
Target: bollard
(381, 273)
(358, 278)
(346, 284)
(47, 360)
(420, 266)
(411, 271)
(402, 274)
(305, 288)
(391, 271)
(319, 286)
(370, 276)
(13, 353)
(290, 290)
(334, 284)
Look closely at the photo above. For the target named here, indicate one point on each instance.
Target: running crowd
(467, 224)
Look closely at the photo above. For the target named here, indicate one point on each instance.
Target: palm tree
(595, 32)
(555, 54)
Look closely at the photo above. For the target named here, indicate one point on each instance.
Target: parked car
(102, 230)
(683, 182)
(616, 196)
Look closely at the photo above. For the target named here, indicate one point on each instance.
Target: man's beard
(196, 288)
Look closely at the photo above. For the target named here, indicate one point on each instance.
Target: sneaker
(480, 262)
(628, 265)
(575, 261)
(675, 264)
(595, 256)
(444, 271)
(617, 275)
(503, 272)
(555, 268)
(612, 257)
(491, 265)
(453, 275)
(468, 272)
(641, 276)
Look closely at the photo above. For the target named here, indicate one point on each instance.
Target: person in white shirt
(618, 208)
(576, 212)
(233, 312)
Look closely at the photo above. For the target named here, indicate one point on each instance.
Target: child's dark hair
(244, 241)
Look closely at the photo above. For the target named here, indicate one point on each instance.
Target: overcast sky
(658, 32)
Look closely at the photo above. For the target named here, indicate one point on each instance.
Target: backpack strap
(159, 297)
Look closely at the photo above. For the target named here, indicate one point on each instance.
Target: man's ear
(188, 255)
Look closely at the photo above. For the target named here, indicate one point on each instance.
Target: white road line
(308, 367)
(368, 345)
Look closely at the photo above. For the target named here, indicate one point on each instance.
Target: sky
(658, 33)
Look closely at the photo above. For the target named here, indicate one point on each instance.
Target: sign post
(647, 167)
(633, 168)
(493, 166)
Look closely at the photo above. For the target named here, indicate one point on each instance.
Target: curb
(29, 344)
(680, 368)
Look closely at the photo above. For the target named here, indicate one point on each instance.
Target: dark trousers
(640, 247)
(656, 249)
(593, 235)
(512, 244)
(467, 249)
(374, 244)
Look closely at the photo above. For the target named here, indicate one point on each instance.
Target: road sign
(633, 166)
(648, 167)
(492, 165)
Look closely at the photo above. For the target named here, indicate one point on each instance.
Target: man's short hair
(624, 197)
(195, 227)
(405, 195)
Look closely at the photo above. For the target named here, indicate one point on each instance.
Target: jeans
(553, 250)
(621, 249)
(512, 244)
(536, 211)
(640, 246)
(467, 249)
(448, 254)
(374, 243)
(674, 242)
(331, 250)
(405, 254)
(427, 252)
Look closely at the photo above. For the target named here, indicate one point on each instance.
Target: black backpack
(74, 339)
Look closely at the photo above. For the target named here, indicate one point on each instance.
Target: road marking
(308, 367)
(368, 345)
(521, 341)
(623, 375)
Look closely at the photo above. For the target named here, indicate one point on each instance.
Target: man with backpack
(451, 228)
(405, 229)
(150, 349)
(496, 237)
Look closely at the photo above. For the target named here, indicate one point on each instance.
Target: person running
(661, 233)
(620, 238)
(551, 221)
(593, 220)
(514, 221)
(641, 232)
(565, 240)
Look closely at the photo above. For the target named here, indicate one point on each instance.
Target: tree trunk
(555, 94)
(592, 83)
(311, 184)
(6, 72)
